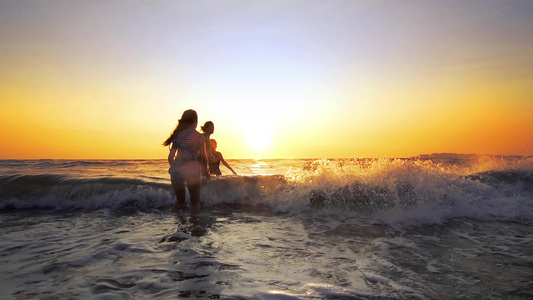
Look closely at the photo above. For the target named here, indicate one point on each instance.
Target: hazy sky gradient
(280, 79)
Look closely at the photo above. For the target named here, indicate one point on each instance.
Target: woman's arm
(172, 153)
(203, 160)
(226, 164)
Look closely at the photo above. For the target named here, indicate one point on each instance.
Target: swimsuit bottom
(190, 172)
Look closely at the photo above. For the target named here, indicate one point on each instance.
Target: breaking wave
(391, 191)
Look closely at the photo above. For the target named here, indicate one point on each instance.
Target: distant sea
(440, 226)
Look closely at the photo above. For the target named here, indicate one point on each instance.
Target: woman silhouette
(188, 161)
(216, 159)
(208, 129)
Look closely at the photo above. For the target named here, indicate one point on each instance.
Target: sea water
(430, 227)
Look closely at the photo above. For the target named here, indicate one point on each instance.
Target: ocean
(441, 226)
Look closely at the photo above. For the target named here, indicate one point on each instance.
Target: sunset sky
(280, 79)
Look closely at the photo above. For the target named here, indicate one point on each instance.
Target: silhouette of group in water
(192, 156)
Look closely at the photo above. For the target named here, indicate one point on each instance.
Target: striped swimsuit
(186, 166)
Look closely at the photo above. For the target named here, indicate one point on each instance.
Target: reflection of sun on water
(259, 167)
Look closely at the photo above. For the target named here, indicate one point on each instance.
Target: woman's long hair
(189, 116)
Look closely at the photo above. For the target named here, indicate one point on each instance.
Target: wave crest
(412, 191)
(62, 192)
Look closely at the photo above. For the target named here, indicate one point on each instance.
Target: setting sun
(259, 140)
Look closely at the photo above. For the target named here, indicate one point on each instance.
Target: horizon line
(437, 154)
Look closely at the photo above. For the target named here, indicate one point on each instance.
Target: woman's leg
(179, 190)
(194, 192)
